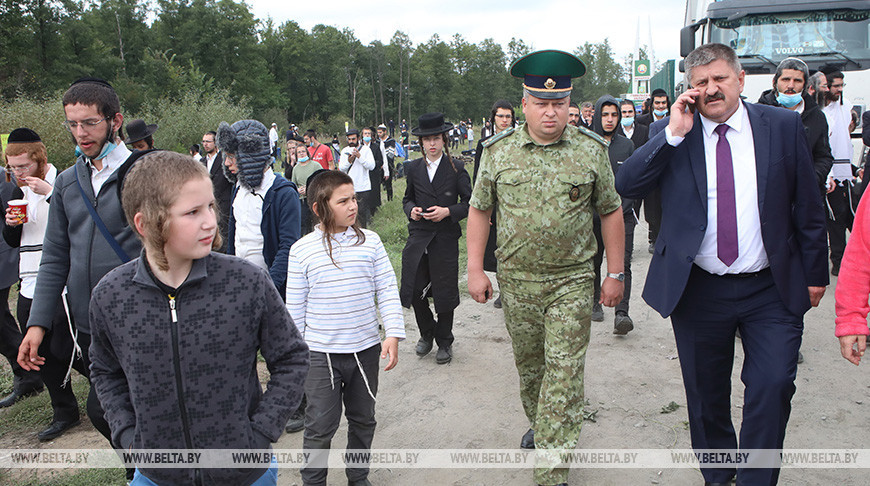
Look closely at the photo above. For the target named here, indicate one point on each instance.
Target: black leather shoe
(622, 324)
(296, 422)
(800, 357)
(16, 397)
(528, 440)
(444, 355)
(423, 347)
(56, 429)
(707, 483)
(359, 482)
(497, 303)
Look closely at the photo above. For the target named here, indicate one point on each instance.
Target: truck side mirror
(687, 39)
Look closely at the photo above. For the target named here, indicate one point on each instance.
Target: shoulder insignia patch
(598, 138)
(495, 138)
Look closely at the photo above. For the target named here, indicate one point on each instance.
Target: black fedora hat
(138, 130)
(431, 124)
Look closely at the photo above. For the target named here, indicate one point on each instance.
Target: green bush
(182, 120)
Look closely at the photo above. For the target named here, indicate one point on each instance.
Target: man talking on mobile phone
(742, 247)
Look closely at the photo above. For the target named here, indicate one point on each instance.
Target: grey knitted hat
(249, 141)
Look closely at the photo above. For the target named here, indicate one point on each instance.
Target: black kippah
(23, 135)
(89, 79)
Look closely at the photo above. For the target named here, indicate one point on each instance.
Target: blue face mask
(788, 100)
(107, 147)
(660, 112)
(304, 159)
(627, 122)
(367, 139)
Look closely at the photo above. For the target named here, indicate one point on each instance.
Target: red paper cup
(19, 209)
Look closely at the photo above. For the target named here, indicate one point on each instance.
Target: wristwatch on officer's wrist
(617, 276)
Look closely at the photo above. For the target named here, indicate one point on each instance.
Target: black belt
(760, 273)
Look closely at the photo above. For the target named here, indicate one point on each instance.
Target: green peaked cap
(547, 74)
(548, 63)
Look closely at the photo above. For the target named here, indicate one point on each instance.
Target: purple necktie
(726, 206)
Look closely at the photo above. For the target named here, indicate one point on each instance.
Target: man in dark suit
(223, 189)
(742, 247)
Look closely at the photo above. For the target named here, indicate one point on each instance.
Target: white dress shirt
(209, 160)
(751, 255)
(384, 156)
(432, 167)
(839, 117)
(111, 162)
(359, 169)
(248, 213)
(628, 131)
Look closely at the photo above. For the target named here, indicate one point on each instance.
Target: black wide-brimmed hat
(138, 130)
(431, 124)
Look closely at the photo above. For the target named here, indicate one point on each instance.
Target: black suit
(223, 194)
(431, 253)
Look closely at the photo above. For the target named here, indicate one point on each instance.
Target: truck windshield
(837, 35)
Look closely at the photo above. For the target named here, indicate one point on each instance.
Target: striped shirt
(334, 307)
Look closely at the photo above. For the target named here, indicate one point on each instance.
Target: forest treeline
(173, 55)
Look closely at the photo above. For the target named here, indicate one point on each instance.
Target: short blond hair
(151, 188)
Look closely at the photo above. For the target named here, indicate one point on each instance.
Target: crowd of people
(160, 276)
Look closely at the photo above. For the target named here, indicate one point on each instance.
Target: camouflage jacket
(545, 195)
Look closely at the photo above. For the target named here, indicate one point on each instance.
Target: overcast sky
(544, 24)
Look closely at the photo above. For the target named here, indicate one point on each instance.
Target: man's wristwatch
(617, 276)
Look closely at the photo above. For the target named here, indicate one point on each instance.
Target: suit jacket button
(689, 259)
(702, 227)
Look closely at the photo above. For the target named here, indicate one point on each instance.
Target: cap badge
(550, 83)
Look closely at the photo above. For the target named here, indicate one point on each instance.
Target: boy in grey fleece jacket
(176, 334)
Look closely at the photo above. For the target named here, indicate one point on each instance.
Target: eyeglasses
(86, 124)
(20, 169)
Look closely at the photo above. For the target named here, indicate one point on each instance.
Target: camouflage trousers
(549, 324)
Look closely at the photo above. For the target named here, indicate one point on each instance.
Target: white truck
(764, 32)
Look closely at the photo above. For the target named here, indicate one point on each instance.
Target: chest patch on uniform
(574, 193)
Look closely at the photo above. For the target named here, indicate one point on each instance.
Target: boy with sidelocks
(176, 334)
(335, 275)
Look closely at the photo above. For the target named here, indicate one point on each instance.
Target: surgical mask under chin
(107, 147)
(304, 159)
(788, 100)
(660, 112)
(627, 122)
(367, 139)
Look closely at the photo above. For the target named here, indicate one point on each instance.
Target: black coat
(376, 175)
(816, 126)
(223, 194)
(450, 188)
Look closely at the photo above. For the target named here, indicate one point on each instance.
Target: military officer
(547, 180)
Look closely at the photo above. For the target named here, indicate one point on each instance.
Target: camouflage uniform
(546, 195)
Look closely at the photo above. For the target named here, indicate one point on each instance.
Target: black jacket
(376, 175)
(450, 188)
(223, 194)
(182, 373)
(620, 148)
(816, 126)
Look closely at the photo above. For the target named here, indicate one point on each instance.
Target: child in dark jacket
(265, 215)
(176, 334)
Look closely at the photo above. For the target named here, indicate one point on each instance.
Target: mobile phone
(428, 210)
(691, 106)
